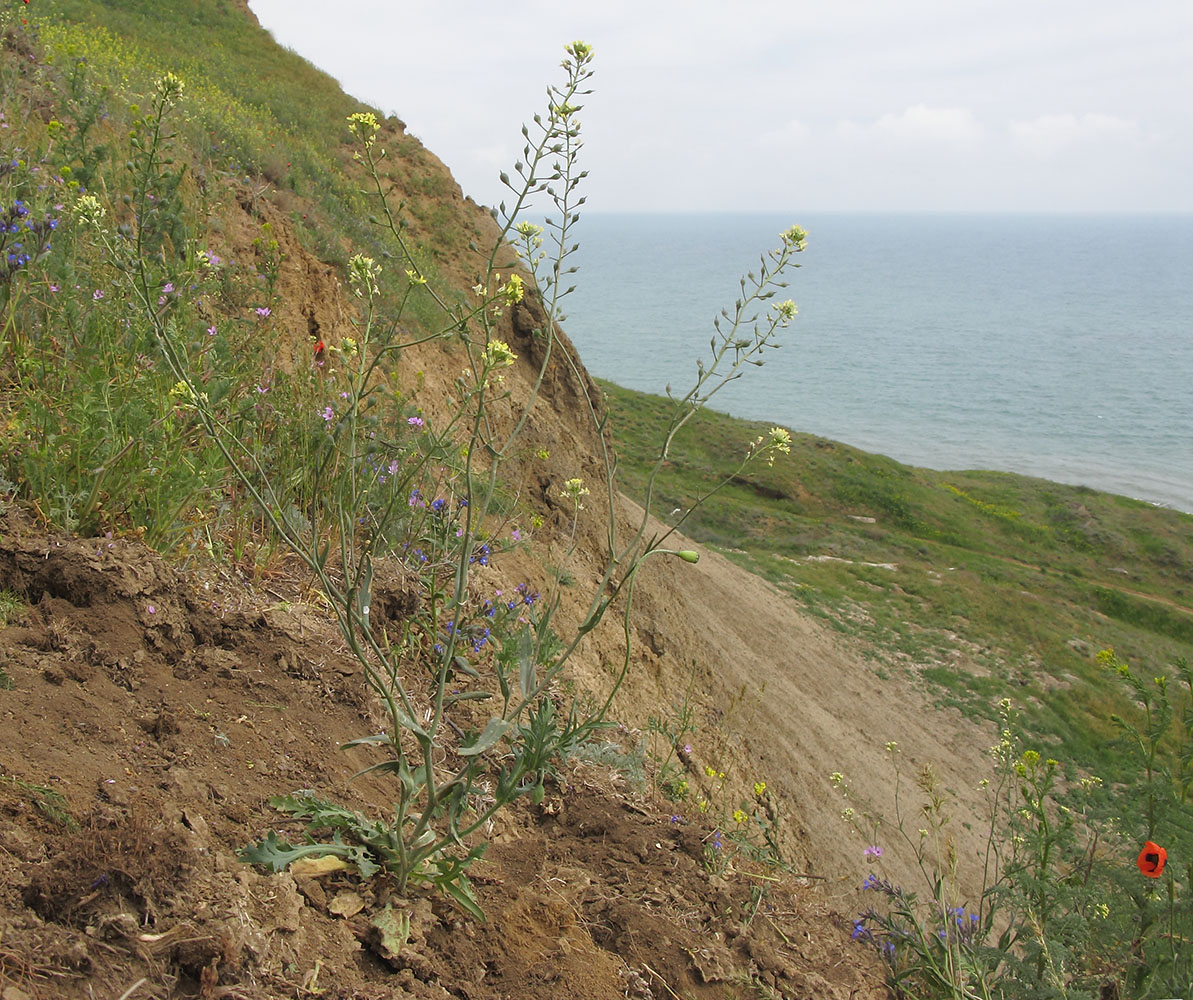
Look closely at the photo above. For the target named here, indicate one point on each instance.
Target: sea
(1057, 346)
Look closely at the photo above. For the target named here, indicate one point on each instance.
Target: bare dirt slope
(785, 700)
(151, 715)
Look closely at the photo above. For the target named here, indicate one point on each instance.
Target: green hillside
(987, 584)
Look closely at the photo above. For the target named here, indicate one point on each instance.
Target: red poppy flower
(320, 348)
(1151, 860)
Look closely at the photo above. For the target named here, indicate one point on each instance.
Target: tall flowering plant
(464, 675)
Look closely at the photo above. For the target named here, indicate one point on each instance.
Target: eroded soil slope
(151, 715)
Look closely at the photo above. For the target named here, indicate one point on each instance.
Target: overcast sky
(1066, 105)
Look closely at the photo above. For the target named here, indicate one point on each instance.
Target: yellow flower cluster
(363, 273)
(572, 491)
(513, 289)
(364, 125)
(498, 354)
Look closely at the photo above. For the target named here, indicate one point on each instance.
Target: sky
(835, 105)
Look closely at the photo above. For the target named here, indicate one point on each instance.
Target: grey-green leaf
(496, 729)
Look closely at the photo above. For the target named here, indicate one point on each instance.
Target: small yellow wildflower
(759, 789)
(89, 211)
(362, 275)
(170, 87)
(513, 289)
(795, 237)
(499, 355)
(580, 51)
(572, 491)
(364, 125)
(739, 816)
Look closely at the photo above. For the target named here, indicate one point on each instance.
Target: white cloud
(1048, 136)
(919, 124)
(789, 135)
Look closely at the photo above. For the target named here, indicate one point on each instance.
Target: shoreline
(1176, 497)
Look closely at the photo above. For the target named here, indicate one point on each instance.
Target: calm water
(1056, 346)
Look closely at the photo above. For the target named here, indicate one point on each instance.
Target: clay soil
(148, 715)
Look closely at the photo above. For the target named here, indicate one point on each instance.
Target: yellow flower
(759, 788)
(364, 125)
(739, 816)
(580, 51)
(572, 491)
(513, 289)
(499, 355)
(362, 275)
(170, 87)
(89, 210)
(795, 237)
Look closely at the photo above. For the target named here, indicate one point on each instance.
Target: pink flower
(97, 294)
(415, 421)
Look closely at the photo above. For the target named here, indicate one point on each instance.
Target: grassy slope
(1025, 579)
(261, 115)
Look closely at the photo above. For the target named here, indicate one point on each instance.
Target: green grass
(258, 116)
(11, 605)
(986, 584)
